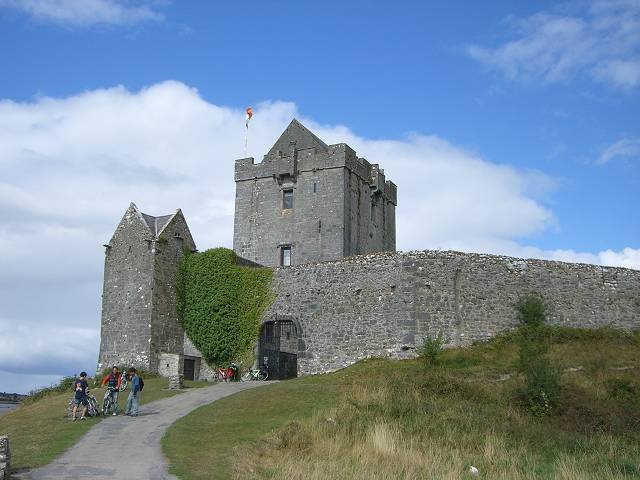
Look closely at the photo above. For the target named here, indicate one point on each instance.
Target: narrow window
(285, 256)
(315, 187)
(287, 199)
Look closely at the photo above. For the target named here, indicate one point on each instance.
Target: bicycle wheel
(263, 376)
(92, 407)
(123, 385)
(246, 377)
(106, 404)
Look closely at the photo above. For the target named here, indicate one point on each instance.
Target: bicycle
(123, 382)
(261, 373)
(108, 403)
(226, 374)
(92, 406)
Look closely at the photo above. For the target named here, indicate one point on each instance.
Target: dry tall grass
(435, 423)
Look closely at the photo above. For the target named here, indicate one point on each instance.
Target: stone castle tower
(139, 320)
(311, 202)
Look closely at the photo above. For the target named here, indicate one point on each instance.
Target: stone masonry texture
(342, 204)
(5, 457)
(384, 305)
(139, 319)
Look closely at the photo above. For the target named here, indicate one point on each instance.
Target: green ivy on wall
(220, 303)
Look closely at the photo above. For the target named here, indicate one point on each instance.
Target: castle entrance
(278, 349)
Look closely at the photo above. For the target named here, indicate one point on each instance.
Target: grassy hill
(383, 419)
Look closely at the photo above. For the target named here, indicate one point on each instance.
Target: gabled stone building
(139, 320)
(311, 202)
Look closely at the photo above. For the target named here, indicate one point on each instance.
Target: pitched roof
(303, 138)
(156, 224)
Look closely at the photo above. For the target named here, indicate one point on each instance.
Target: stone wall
(167, 333)
(126, 299)
(386, 304)
(170, 365)
(5, 458)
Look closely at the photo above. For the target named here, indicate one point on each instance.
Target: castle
(325, 220)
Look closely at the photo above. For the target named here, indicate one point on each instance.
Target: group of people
(113, 382)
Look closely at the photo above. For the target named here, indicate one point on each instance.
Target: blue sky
(509, 127)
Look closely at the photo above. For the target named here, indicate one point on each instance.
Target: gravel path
(128, 448)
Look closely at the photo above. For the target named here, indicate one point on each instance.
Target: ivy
(220, 303)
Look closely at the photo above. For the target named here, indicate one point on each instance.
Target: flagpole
(246, 131)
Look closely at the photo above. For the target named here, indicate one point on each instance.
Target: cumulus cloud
(85, 13)
(70, 166)
(627, 147)
(602, 42)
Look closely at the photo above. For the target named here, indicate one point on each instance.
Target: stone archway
(278, 349)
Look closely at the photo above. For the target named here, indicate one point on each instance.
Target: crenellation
(333, 213)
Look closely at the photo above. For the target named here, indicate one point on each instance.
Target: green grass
(39, 431)
(383, 419)
(240, 418)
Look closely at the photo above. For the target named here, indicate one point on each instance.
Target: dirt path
(125, 448)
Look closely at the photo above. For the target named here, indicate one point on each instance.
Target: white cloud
(85, 13)
(69, 168)
(602, 42)
(627, 147)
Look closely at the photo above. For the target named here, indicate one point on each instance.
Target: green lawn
(39, 431)
(383, 419)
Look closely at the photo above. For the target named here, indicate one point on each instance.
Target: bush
(622, 389)
(431, 349)
(220, 303)
(531, 310)
(540, 390)
(64, 385)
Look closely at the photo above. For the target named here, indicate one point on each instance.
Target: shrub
(431, 349)
(531, 310)
(64, 385)
(622, 389)
(540, 390)
(220, 303)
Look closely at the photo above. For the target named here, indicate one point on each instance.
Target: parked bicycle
(227, 374)
(260, 373)
(123, 381)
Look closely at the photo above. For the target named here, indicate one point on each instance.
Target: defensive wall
(385, 304)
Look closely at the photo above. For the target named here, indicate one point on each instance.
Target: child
(81, 387)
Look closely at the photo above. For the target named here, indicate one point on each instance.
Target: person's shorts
(81, 401)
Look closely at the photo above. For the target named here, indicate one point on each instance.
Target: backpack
(141, 383)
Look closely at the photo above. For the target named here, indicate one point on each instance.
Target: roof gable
(303, 138)
(156, 224)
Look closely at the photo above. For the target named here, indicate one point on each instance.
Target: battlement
(337, 204)
(278, 164)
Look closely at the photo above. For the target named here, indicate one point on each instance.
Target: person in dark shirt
(81, 387)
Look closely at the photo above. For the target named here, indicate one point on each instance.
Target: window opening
(287, 199)
(285, 256)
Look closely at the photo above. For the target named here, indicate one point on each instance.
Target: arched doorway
(278, 349)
